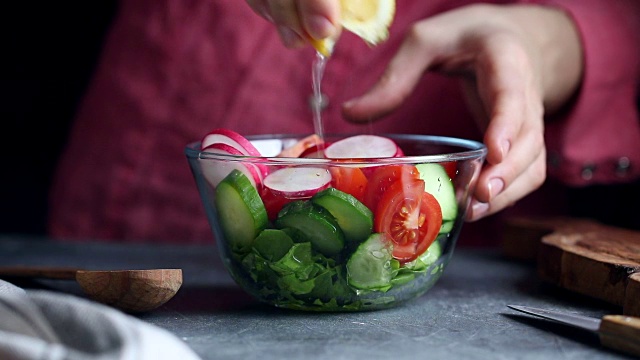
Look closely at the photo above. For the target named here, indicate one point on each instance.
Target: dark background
(49, 52)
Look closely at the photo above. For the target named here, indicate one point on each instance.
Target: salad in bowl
(339, 223)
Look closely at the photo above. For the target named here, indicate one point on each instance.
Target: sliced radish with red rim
(231, 138)
(216, 170)
(298, 182)
(363, 147)
(235, 140)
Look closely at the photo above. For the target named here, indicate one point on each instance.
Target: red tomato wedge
(350, 180)
(273, 202)
(410, 217)
(382, 177)
(451, 168)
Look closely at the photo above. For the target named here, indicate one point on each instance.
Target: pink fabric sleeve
(597, 141)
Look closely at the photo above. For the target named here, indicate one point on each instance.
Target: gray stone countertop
(464, 316)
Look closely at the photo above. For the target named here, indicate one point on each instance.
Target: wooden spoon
(128, 290)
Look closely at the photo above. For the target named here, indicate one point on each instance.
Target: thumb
(441, 43)
(320, 18)
(394, 86)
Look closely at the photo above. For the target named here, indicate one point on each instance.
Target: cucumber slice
(447, 226)
(369, 267)
(427, 258)
(241, 213)
(314, 224)
(353, 217)
(438, 184)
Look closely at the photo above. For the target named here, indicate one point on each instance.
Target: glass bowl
(345, 233)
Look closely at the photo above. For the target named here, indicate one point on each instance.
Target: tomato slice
(382, 177)
(350, 180)
(409, 216)
(451, 168)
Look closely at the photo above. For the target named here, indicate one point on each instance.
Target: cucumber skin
(367, 271)
(353, 217)
(241, 212)
(444, 192)
(315, 223)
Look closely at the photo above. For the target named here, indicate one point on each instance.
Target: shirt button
(623, 166)
(587, 171)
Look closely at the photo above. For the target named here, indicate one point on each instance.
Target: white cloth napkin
(45, 325)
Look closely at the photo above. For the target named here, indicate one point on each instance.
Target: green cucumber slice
(427, 258)
(353, 217)
(241, 213)
(438, 184)
(447, 226)
(369, 267)
(314, 224)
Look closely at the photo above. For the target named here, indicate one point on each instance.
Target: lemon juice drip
(317, 100)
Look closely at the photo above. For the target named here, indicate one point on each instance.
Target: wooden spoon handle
(38, 272)
(621, 333)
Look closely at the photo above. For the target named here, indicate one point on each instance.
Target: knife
(617, 332)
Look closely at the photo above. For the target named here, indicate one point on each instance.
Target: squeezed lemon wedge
(368, 19)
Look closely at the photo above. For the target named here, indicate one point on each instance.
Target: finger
(531, 180)
(320, 18)
(510, 93)
(514, 136)
(438, 43)
(398, 81)
(475, 105)
(285, 15)
(261, 8)
(498, 178)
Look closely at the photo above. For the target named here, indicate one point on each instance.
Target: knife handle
(621, 333)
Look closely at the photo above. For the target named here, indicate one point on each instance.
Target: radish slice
(215, 170)
(231, 138)
(268, 147)
(363, 147)
(298, 182)
(235, 140)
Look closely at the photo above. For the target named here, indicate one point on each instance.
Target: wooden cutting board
(580, 255)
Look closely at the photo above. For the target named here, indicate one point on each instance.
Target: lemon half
(368, 19)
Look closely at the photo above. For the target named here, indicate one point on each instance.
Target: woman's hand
(515, 63)
(299, 20)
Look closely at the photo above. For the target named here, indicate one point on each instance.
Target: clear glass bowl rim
(469, 150)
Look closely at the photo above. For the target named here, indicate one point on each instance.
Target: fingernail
(288, 36)
(495, 187)
(320, 27)
(478, 209)
(264, 11)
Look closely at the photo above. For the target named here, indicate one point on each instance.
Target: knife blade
(617, 332)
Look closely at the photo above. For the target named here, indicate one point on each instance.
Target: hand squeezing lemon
(368, 19)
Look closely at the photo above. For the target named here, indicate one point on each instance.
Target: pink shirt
(172, 70)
